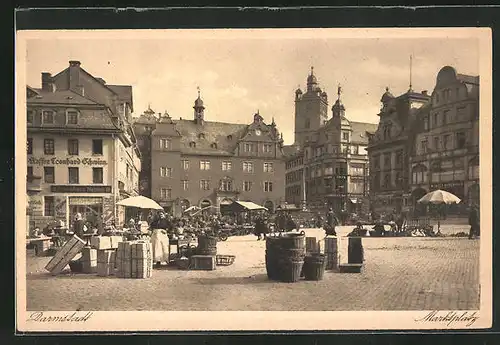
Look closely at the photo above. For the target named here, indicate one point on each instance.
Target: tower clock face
(258, 132)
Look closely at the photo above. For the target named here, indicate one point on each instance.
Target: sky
(242, 74)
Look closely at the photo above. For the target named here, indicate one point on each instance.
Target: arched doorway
(224, 205)
(269, 205)
(418, 209)
(205, 206)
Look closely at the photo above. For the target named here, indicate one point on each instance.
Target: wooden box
(64, 255)
(41, 245)
(89, 260)
(106, 260)
(105, 242)
(350, 268)
(203, 262)
(134, 259)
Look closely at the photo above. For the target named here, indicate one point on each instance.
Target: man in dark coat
(79, 225)
(331, 223)
(474, 221)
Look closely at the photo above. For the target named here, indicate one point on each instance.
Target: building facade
(205, 163)
(445, 152)
(81, 148)
(327, 167)
(390, 148)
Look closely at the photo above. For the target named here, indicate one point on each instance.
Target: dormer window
(213, 145)
(192, 144)
(229, 137)
(72, 117)
(201, 136)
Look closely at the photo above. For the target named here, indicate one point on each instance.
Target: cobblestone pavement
(399, 274)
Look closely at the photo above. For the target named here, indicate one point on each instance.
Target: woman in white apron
(160, 242)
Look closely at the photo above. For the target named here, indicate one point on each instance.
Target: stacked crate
(203, 262)
(105, 242)
(106, 262)
(331, 253)
(134, 259)
(89, 260)
(64, 255)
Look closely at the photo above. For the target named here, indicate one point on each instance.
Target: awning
(247, 205)
(354, 201)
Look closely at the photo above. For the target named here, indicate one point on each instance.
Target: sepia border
(246, 320)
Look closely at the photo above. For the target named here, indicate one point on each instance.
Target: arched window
(229, 137)
(192, 144)
(213, 145)
(201, 136)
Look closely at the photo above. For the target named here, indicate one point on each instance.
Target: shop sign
(89, 161)
(80, 189)
(448, 185)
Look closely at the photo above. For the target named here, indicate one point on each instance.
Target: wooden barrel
(292, 241)
(207, 245)
(290, 272)
(314, 267)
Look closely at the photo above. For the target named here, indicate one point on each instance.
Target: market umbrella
(192, 208)
(140, 202)
(439, 197)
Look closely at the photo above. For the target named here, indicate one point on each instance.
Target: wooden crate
(89, 260)
(105, 242)
(203, 262)
(134, 259)
(106, 262)
(42, 246)
(64, 255)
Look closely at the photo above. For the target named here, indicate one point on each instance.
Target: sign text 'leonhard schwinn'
(66, 161)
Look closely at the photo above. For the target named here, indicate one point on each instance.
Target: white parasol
(439, 197)
(140, 202)
(192, 208)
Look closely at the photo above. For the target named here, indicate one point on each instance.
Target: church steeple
(312, 82)
(338, 108)
(199, 109)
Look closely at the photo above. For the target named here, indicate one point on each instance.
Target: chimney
(74, 75)
(46, 82)
(424, 92)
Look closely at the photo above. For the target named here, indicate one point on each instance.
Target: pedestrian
(474, 221)
(160, 241)
(331, 222)
(79, 225)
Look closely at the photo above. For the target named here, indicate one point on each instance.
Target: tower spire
(198, 88)
(339, 91)
(411, 66)
(312, 70)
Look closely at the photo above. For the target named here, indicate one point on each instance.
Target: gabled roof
(60, 97)
(214, 133)
(359, 130)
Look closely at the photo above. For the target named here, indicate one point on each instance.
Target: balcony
(33, 184)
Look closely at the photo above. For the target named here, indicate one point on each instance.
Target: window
(204, 165)
(48, 146)
(423, 146)
(247, 186)
(357, 169)
(436, 143)
(165, 144)
(73, 175)
(29, 146)
(48, 175)
(97, 175)
(192, 144)
(248, 147)
(185, 184)
(355, 149)
(248, 167)
(446, 141)
(204, 184)
(307, 123)
(72, 117)
(268, 186)
(48, 116)
(226, 166)
(461, 140)
(345, 135)
(73, 147)
(97, 146)
(267, 148)
(376, 162)
(387, 160)
(268, 167)
(29, 116)
(185, 164)
(49, 206)
(201, 136)
(29, 171)
(461, 114)
(226, 185)
(165, 194)
(165, 172)
(426, 123)
(435, 121)
(213, 145)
